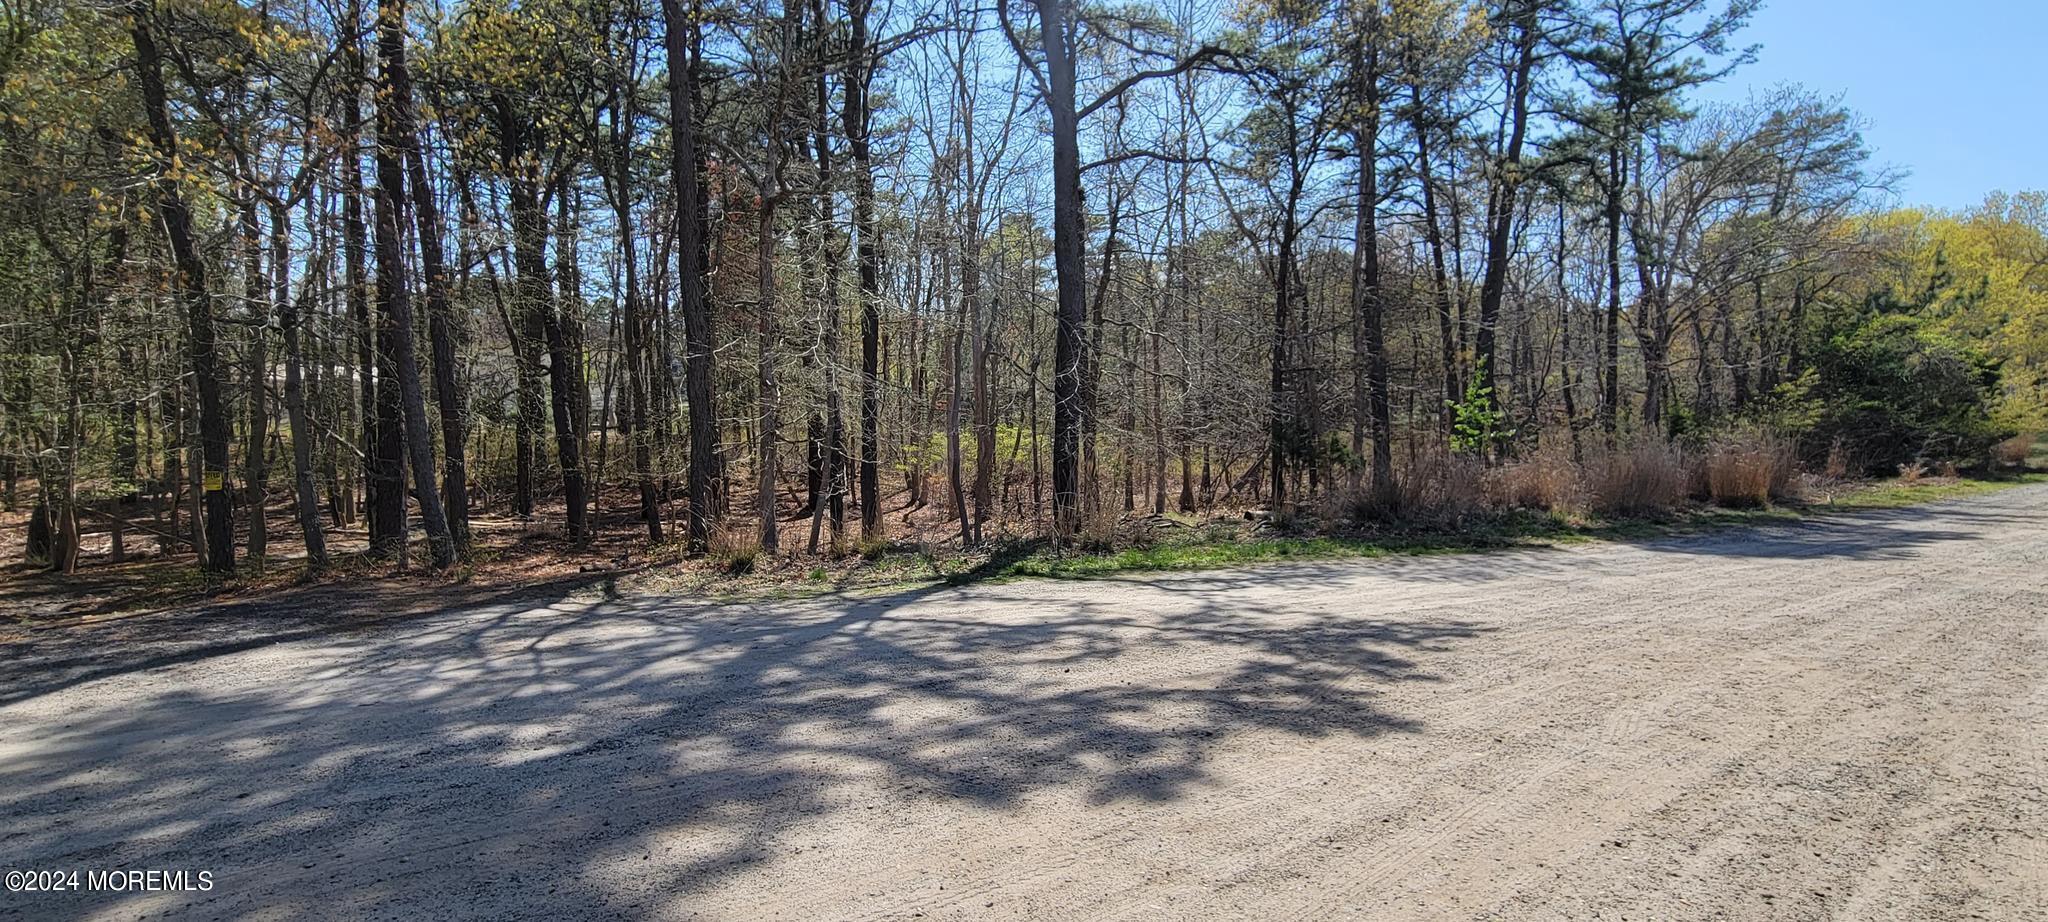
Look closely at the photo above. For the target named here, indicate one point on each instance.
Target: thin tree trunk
(1611, 398)
(770, 419)
(255, 295)
(954, 396)
(303, 437)
(638, 359)
(835, 412)
(1432, 233)
(1564, 335)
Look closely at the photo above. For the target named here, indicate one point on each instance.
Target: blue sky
(1956, 91)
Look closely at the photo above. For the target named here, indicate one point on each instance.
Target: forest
(378, 280)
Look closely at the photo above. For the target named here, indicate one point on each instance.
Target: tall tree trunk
(529, 416)
(355, 276)
(1501, 207)
(255, 295)
(1733, 355)
(1370, 407)
(1653, 340)
(1279, 428)
(127, 449)
(534, 312)
(127, 456)
(442, 322)
(172, 405)
(679, 40)
(1070, 233)
(566, 389)
(835, 411)
(190, 283)
(1654, 332)
(569, 311)
(386, 466)
(383, 450)
(868, 254)
(1181, 280)
(393, 290)
(1707, 400)
(975, 313)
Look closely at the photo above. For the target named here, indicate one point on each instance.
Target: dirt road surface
(1845, 718)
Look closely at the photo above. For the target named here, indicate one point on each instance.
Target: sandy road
(1844, 719)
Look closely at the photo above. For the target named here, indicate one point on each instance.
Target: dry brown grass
(1648, 478)
(1444, 490)
(1433, 489)
(1751, 469)
(1547, 481)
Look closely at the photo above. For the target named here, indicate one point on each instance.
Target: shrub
(1750, 469)
(1648, 478)
(2013, 452)
(1896, 391)
(1363, 505)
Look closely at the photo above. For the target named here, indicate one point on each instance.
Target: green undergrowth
(1212, 548)
(1234, 545)
(1894, 494)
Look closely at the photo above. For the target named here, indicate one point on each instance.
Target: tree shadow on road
(59, 657)
(1890, 534)
(563, 756)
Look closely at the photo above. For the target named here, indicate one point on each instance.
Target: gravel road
(1844, 718)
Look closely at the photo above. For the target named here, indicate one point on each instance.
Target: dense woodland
(352, 275)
